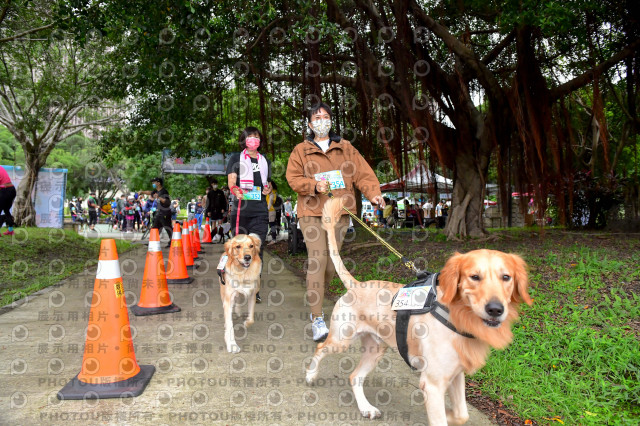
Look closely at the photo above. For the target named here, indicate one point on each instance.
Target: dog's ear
(227, 248)
(449, 278)
(520, 289)
(257, 242)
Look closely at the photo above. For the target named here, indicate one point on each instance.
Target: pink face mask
(252, 143)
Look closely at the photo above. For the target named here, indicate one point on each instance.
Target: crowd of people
(408, 213)
(137, 212)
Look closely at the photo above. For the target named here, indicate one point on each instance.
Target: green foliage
(186, 187)
(74, 154)
(35, 258)
(573, 352)
(10, 150)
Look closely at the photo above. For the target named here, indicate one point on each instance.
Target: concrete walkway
(196, 380)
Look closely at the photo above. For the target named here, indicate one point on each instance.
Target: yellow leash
(408, 263)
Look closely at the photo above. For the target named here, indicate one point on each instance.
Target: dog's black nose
(494, 308)
(247, 257)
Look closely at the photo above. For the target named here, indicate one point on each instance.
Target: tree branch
(263, 32)
(340, 79)
(4, 11)
(587, 77)
(17, 104)
(24, 33)
(88, 124)
(493, 54)
(484, 75)
(8, 108)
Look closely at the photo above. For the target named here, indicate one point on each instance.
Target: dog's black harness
(431, 305)
(221, 271)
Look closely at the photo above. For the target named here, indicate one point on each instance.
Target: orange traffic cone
(187, 246)
(207, 234)
(154, 295)
(196, 232)
(194, 243)
(192, 235)
(177, 266)
(109, 366)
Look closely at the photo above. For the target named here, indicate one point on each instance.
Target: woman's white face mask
(321, 127)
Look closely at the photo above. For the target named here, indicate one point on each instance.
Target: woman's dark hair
(248, 131)
(274, 185)
(317, 107)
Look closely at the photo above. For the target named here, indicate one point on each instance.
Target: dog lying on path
(241, 278)
(482, 290)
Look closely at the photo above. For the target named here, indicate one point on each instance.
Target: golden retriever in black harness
(241, 278)
(482, 290)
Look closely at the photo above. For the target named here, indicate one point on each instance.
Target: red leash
(238, 215)
(239, 204)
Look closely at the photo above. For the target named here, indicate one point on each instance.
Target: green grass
(35, 258)
(575, 355)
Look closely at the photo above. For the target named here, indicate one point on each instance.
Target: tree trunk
(465, 215)
(24, 211)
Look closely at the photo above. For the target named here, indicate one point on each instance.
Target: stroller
(80, 221)
(129, 216)
(296, 239)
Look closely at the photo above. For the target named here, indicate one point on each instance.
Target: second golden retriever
(482, 290)
(241, 279)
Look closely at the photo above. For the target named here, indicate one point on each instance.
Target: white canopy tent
(419, 179)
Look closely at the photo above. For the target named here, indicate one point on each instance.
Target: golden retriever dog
(482, 290)
(242, 279)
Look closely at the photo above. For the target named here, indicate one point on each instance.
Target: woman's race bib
(334, 177)
(255, 194)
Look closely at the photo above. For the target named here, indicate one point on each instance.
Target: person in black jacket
(162, 219)
(216, 207)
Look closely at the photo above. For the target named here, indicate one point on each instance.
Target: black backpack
(277, 204)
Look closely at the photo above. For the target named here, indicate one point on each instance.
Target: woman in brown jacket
(325, 157)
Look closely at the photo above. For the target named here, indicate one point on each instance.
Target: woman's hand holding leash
(379, 201)
(236, 191)
(322, 186)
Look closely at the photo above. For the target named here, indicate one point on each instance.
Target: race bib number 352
(334, 177)
(254, 194)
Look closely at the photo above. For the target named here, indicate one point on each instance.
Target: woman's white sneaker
(319, 329)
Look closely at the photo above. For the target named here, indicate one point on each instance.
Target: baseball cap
(158, 179)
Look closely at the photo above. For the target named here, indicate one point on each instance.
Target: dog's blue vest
(431, 305)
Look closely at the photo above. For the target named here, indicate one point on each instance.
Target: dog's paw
(247, 323)
(371, 413)
(233, 348)
(452, 419)
(311, 377)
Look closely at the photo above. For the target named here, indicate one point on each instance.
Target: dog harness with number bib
(419, 298)
(220, 268)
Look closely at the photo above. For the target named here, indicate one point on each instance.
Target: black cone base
(133, 386)
(187, 280)
(140, 311)
(194, 266)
